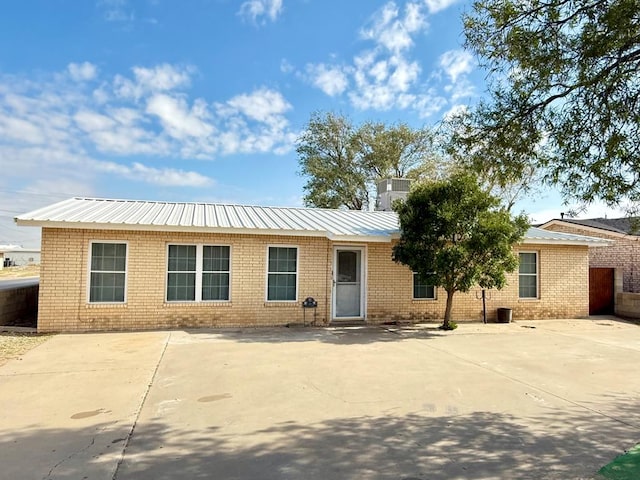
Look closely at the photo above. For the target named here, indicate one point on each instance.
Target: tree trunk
(447, 311)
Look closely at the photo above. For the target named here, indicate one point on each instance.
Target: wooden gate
(601, 291)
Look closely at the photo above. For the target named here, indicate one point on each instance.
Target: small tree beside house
(455, 235)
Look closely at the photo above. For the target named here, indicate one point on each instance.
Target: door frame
(363, 280)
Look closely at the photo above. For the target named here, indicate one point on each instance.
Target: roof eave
(360, 238)
(549, 241)
(590, 228)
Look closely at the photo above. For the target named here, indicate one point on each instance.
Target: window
(421, 290)
(198, 273)
(215, 273)
(528, 275)
(282, 274)
(108, 274)
(181, 279)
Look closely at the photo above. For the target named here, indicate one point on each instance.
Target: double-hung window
(198, 273)
(282, 274)
(421, 289)
(528, 275)
(108, 272)
(215, 272)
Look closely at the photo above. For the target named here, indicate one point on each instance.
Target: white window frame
(267, 273)
(199, 271)
(537, 275)
(413, 290)
(126, 271)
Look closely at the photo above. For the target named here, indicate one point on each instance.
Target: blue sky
(203, 100)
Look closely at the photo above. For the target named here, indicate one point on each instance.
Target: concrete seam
(139, 411)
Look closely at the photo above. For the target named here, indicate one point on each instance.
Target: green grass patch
(623, 467)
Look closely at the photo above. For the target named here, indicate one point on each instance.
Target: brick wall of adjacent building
(63, 302)
(623, 254)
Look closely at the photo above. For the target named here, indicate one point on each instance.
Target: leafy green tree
(396, 151)
(454, 235)
(342, 162)
(328, 156)
(502, 170)
(565, 93)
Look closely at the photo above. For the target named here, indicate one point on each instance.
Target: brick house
(129, 265)
(624, 252)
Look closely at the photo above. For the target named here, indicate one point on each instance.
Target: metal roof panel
(338, 224)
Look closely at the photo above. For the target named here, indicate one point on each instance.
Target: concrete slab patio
(540, 400)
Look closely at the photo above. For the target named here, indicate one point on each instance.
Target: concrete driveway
(547, 399)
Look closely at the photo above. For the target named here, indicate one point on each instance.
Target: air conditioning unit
(390, 190)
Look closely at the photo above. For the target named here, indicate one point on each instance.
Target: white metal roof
(345, 225)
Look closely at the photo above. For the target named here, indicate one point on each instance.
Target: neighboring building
(125, 265)
(17, 256)
(624, 252)
(614, 272)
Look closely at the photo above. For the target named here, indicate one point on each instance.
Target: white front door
(348, 283)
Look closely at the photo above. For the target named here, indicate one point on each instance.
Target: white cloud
(463, 88)
(160, 78)
(91, 121)
(178, 120)
(21, 130)
(456, 63)
(385, 76)
(455, 110)
(332, 80)
(116, 10)
(253, 10)
(391, 30)
(285, 66)
(263, 105)
(54, 128)
(428, 104)
(384, 83)
(435, 6)
(168, 176)
(81, 72)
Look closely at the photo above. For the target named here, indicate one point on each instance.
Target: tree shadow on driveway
(481, 445)
(332, 335)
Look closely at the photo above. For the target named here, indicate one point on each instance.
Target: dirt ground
(20, 272)
(14, 344)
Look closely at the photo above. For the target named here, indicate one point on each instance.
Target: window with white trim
(215, 272)
(108, 272)
(198, 273)
(282, 274)
(528, 275)
(421, 289)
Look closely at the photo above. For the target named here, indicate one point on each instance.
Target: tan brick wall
(63, 292)
(624, 254)
(63, 302)
(563, 290)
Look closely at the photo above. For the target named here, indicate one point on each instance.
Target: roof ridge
(230, 204)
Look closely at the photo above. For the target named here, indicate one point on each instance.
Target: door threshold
(348, 323)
